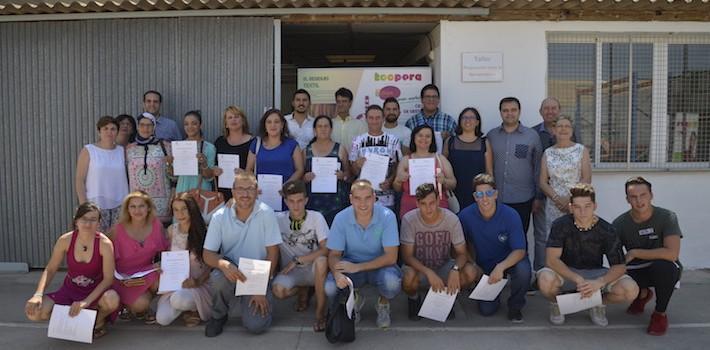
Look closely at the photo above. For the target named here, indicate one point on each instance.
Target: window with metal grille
(637, 100)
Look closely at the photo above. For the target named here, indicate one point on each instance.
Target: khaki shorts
(587, 274)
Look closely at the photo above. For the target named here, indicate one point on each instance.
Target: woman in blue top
(469, 154)
(206, 153)
(274, 152)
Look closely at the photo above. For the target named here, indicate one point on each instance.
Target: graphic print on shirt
(300, 239)
(432, 248)
(82, 281)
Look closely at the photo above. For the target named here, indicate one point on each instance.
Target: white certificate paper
(375, 169)
(79, 328)
(270, 185)
(487, 292)
(421, 171)
(571, 303)
(175, 266)
(350, 303)
(324, 168)
(437, 306)
(123, 276)
(185, 157)
(228, 163)
(257, 274)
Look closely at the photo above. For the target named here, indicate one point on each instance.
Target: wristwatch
(455, 268)
(297, 261)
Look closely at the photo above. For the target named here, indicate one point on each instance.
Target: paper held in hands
(79, 328)
(375, 169)
(421, 171)
(228, 163)
(571, 303)
(487, 292)
(257, 277)
(184, 158)
(175, 267)
(124, 276)
(270, 185)
(350, 303)
(324, 168)
(437, 305)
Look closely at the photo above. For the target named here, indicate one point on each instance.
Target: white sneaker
(598, 315)
(383, 315)
(359, 303)
(556, 317)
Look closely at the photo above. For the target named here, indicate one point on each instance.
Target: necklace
(586, 228)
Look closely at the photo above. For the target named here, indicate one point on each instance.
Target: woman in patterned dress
(563, 165)
(149, 167)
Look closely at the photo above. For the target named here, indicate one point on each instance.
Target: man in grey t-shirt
(428, 235)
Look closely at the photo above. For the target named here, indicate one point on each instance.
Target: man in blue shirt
(165, 128)
(363, 244)
(496, 233)
(246, 229)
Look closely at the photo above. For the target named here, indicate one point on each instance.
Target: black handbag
(339, 327)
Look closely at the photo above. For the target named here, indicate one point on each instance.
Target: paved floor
(689, 315)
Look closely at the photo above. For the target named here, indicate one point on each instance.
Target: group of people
(385, 235)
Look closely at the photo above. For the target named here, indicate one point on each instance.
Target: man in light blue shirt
(165, 128)
(363, 245)
(246, 229)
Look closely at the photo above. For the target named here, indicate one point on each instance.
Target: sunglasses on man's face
(480, 194)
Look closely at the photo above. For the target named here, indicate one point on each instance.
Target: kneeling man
(303, 252)
(575, 249)
(429, 235)
(363, 245)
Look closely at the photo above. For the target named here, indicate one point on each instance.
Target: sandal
(149, 318)
(191, 318)
(99, 331)
(125, 314)
(319, 325)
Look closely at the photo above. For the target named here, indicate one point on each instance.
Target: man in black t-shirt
(575, 249)
(651, 236)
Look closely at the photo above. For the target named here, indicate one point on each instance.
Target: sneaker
(636, 308)
(359, 303)
(598, 315)
(658, 325)
(413, 306)
(215, 326)
(515, 316)
(556, 317)
(383, 315)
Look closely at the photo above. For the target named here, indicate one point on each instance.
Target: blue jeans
(223, 297)
(519, 281)
(388, 281)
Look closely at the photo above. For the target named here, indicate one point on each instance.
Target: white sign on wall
(481, 66)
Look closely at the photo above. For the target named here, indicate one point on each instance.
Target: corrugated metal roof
(22, 7)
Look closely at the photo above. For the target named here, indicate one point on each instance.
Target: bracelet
(38, 295)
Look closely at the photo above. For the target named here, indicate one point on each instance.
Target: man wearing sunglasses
(495, 232)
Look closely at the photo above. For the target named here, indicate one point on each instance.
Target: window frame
(658, 143)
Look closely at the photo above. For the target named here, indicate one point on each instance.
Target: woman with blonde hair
(235, 139)
(90, 267)
(138, 238)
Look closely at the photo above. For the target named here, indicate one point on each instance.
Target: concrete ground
(689, 316)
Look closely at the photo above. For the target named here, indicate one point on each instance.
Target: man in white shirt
(403, 133)
(300, 123)
(345, 127)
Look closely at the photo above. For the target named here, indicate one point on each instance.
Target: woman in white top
(101, 173)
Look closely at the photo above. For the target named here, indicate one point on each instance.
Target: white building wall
(524, 49)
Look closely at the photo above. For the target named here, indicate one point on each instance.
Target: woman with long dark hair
(206, 154)
(90, 267)
(187, 233)
(469, 154)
